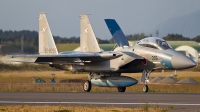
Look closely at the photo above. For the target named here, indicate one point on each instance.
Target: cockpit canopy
(154, 42)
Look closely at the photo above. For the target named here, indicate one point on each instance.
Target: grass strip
(87, 108)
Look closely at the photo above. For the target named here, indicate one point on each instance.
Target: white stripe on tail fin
(88, 41)
(46, 41)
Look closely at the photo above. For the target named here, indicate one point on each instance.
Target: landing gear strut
(145, 79)
(121, 89)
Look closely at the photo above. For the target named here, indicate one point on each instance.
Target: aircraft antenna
(22, 43)
(157, 33)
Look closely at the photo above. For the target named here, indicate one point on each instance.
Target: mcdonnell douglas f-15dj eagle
(105, 68)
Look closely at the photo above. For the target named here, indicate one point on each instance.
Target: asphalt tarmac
(181, 101)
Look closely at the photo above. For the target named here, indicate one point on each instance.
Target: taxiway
(183, 100)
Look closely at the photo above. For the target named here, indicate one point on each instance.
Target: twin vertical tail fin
(88, 41)
(117, 33)
(46, 42)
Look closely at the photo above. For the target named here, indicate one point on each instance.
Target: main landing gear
(121, 89)
(87, 86)
(145, 79)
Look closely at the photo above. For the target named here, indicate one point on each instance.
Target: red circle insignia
(144, 61)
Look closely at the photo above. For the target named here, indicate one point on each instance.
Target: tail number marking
(50, 50)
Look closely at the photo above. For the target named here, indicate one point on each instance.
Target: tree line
(30, 39)
(169, 37)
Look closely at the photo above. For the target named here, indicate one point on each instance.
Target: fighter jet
(105, 68)
(157, 54)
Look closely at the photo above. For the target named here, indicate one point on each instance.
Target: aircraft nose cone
(182, 62)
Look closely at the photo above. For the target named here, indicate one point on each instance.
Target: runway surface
(185, 101)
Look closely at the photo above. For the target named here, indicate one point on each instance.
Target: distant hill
(187, 25)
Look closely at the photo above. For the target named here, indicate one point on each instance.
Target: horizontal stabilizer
(21, 61)
(117, 33)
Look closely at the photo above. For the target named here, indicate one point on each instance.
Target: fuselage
(151, 53)
(157, 54)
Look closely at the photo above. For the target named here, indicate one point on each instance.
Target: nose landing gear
(145, 88)
(145, 79)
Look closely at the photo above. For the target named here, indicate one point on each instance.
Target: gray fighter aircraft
(105, 68)
(157, 54)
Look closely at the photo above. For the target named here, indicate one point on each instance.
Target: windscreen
(163, 44)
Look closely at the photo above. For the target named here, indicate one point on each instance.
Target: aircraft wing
(72, 57)
(129, 58)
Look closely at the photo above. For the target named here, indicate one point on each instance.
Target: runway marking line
(97, 103)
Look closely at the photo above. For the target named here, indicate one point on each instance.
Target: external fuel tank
(114, 81)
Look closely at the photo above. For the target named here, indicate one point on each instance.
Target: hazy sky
(134, 16)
